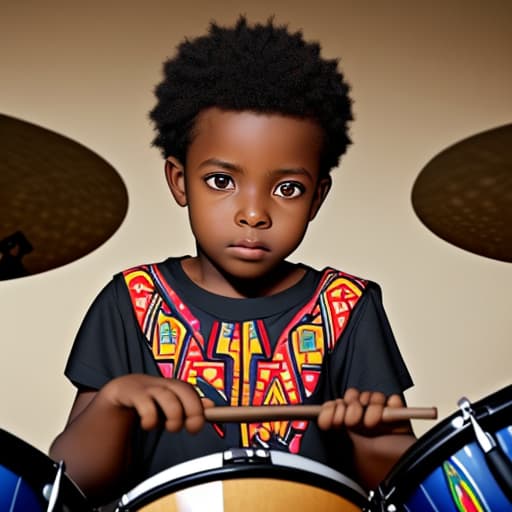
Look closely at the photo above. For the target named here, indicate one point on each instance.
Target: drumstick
(248, 414)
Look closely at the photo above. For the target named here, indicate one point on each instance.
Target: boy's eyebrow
(233, 167)
(220, 163)
(292, 171)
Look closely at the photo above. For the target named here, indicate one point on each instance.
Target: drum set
(464, 463)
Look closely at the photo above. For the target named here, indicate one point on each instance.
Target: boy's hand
(157, 400)
(360, 412)
(377, 445)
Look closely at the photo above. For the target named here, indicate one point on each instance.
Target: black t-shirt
(307, 344)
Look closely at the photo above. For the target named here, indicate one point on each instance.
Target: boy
(250, 121)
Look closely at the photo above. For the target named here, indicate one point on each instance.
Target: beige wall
(424, 75)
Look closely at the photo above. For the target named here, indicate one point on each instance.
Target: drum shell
(449, 452)
(26, 477)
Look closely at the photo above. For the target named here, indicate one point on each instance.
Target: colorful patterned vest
(235, 364)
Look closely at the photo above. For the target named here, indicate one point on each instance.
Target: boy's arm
(374, 456)
(95, 445)
(97, 442)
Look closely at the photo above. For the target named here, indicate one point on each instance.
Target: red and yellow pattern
(236, 365)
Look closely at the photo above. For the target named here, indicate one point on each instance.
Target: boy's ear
(175, 176)
(322, 189)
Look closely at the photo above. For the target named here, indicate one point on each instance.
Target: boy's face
(251, 185)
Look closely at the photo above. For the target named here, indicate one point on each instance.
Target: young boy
(250, 121)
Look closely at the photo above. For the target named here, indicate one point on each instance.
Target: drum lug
(497, 460)
(54, 489)
(380, 501)
(484, 439)
(235, 455)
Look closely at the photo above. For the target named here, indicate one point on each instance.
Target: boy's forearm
(96, 448)
(375, 456)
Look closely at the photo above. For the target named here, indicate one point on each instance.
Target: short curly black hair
(261, 68)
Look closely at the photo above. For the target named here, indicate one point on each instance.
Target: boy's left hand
(360, 412)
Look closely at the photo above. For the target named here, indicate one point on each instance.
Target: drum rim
(442, 441)
(211, 467)
(39, 472)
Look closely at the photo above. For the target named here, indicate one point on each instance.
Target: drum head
(248, 482)
(27, 477)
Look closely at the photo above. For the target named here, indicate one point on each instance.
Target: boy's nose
(254, 216)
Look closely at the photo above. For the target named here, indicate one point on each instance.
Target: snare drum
(448, 468)
(31, 482)
(249, 481)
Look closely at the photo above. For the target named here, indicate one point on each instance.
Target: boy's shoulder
(148, 267)
(331, 274)
(143, 276)
(332, 278)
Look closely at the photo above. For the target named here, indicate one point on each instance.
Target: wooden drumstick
(248, 414)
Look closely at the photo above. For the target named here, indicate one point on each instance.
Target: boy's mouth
(250, 249)
(250, 244)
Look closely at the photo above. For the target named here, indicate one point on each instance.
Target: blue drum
(463, 464)
(31, 482)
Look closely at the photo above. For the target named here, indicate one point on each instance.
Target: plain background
(424, 75)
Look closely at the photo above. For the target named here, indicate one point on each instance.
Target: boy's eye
(289, 189)
(220, 182)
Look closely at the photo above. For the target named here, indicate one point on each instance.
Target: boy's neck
(208, 277)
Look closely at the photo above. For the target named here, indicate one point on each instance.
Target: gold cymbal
(58, 199)
(464, 194)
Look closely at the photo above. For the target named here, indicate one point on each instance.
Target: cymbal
(58, 199)
(464, 194)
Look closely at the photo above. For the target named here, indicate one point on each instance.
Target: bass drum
(249, 481)
(462, 464)
(31, 482)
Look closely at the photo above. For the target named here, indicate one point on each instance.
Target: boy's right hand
(97, 443)
(157, 401)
